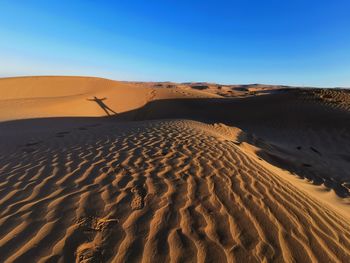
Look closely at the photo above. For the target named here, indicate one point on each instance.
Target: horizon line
(177, 82)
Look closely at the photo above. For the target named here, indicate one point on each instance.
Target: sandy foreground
(95, 170)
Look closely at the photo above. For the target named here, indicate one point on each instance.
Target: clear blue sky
(296, 42)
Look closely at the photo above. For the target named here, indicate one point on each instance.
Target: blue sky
(291, 42)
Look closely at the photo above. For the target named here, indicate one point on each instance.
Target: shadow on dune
(274, 110)
(265, 116)
(306, 171)
(103, 106)
(282, 110)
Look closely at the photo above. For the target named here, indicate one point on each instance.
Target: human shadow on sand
(107, 110)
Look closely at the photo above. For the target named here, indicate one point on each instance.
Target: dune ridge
(146, 186)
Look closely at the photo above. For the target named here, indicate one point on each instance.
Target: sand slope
(37, 97)
(147, 185)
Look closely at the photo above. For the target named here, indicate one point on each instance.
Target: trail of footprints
(157, 192)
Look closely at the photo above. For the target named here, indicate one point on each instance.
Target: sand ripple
(160, 191)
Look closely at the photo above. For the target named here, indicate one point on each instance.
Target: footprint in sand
(91, 251)
(88, 253)
(96, 224)
(138, 199)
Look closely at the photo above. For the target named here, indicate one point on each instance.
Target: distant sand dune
(176, 175)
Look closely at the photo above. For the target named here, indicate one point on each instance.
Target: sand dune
(38, 97)
(179, 172)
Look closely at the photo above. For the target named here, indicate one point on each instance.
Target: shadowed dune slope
(173, 174)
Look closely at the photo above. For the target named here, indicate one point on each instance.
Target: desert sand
(95, 170)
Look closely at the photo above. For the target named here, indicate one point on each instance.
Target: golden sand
(95, 170)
